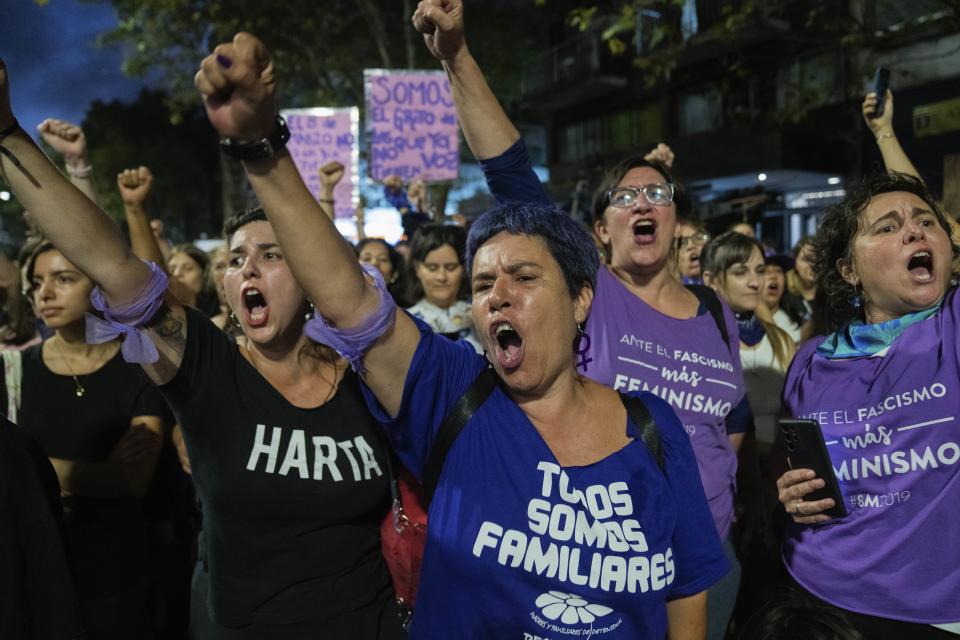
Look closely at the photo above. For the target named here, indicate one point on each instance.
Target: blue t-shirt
(519, 546)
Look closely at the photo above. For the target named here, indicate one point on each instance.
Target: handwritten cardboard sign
(411, 125)
(320, 135)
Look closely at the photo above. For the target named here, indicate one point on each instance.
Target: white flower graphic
(569, 608)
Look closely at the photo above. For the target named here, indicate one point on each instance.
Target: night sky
(56, 69)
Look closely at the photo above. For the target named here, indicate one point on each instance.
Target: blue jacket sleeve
(510, 177)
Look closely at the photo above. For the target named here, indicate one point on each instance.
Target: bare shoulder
(168, 330)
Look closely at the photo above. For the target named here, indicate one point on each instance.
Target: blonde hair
(783, 346)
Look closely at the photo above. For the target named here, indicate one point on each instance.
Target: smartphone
(806, 449)
(881, 80)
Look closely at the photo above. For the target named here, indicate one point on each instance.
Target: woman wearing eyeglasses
(646, 331)
(691, 237)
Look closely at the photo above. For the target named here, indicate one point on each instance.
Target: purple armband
(353, 343)
(126, 320)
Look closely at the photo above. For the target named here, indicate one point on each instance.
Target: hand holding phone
(881, 80)
(809, 491)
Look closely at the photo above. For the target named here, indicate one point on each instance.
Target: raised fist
(238, 86)
(134, 185)
(441, 23)
(662, 154)
(6, 111)
(65, 138)
(330, 174)
(885, 122)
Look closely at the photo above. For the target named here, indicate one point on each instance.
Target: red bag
(403, 535)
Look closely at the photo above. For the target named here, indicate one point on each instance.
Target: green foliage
(801, 25)
(183, 157)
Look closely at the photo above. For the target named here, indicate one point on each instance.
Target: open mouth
(255, 306)
(509, 351)
(920, 266)
(644, 229)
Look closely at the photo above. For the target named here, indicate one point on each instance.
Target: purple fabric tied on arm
(353, 343)
(126, 320)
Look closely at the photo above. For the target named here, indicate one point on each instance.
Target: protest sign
(320, 135)
(411, 125)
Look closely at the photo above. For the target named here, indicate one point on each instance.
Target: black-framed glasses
(657, 194)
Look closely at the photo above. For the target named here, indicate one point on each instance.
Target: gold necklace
(80, 388)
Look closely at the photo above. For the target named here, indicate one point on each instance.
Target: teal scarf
(860, 339)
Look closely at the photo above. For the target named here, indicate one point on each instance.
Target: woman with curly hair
(885, 388)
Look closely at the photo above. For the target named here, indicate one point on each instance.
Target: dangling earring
(308, 316)
(232, 320)
(856, 300)
(581, 345)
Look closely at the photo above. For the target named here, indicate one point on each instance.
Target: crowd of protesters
(212, 445)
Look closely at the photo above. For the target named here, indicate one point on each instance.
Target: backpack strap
(708, 297)
(649, 433)
(452, 425)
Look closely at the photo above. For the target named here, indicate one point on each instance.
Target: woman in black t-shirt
(287, 461)
(98, 420)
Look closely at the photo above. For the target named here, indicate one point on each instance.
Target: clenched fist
(238, 87)
(330, 175)
(65, 138)
(134, 185)
(441, 23)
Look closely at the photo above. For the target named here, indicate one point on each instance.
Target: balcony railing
(564, 64)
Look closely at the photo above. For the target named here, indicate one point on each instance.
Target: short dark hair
(430, 237)
(396, 260)
(568, 242)
(792, 615)
(241, 218)
(839, 227)
(615, 174)
(726, 250)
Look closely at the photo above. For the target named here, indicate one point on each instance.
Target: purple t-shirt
(634, 347)
(890, 423)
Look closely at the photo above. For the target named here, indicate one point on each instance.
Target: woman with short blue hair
(552, 514)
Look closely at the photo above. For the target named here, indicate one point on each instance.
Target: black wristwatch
(261, 149)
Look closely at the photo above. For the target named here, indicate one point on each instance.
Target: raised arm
(85, 235)
(68, 140)
(330, 175)
(485, 126)
(65, 215)
(894, 157)
(237, 82)
(134, 186)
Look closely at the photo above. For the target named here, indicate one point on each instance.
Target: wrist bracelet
(13, 127)
(883, 136)
(327, 200)
(82, 172)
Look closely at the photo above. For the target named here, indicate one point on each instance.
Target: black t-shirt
(292, 498)
(106, 535)
(37, 598)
